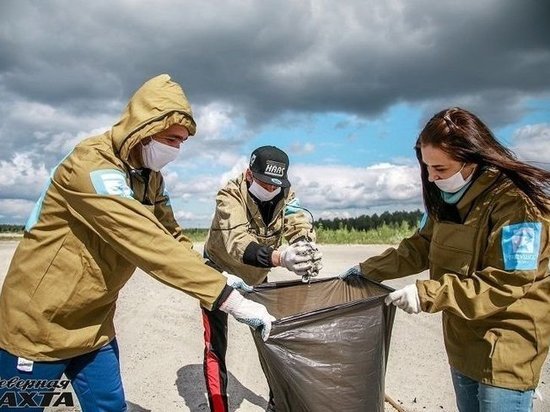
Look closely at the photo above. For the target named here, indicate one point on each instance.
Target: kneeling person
(254, 213)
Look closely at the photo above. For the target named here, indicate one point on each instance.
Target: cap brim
(276, 181)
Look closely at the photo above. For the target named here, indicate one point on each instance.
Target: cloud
(327, 191)
(15, 211)
(21, 178)
(302, 148)
(532, 143)
(246, 66)
(350, 191)
(262, 59)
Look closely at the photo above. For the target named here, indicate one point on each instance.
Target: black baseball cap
(270, 165)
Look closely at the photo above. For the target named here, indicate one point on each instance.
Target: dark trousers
(215, 348)
(215, 370)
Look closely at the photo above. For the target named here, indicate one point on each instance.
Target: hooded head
(158, 104)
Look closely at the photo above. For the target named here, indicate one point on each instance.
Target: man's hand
(237, 283)
(248, 312)
(297, 258)
(406, 299)
(316, 257)
(354, 271)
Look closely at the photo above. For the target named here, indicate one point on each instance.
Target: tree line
(11, 228)
(362, 223)
(373, 222)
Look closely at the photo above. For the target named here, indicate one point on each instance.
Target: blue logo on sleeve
(111, 182)
(521, 246)
(293, 207)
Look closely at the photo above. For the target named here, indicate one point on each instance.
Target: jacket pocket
(451, 249)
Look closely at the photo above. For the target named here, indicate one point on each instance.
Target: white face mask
(156, 155)
(262, 194)
(454, 183)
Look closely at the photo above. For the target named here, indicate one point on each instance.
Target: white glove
(297, 258)
(248, 312)
(406, 299)
(237, 283)
(316, 257)
(354, 271)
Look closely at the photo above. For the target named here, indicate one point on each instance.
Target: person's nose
(271, 188)
(432, 175)
(178, 143)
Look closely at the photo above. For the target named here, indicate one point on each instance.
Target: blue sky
(343, 87)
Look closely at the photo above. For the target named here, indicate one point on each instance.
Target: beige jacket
(237, 222)
(489, 277)
(90, 230)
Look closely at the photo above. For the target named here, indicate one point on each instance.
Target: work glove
(405, 298)
(297, 258)
(316, 257)
(248, 312)
(237, 283)
(354, 271)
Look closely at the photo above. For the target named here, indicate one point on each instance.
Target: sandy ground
(159, 332)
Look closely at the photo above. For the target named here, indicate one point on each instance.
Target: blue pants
(95, 378)
(473, 396)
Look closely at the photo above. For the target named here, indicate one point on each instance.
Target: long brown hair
(465, 138)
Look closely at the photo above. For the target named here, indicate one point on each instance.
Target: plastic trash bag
(328, 349)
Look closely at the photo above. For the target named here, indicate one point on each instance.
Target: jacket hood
(156, 105)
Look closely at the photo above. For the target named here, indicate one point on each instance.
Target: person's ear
(248, 176)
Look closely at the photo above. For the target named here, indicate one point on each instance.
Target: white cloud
(328, 191)
(214, 121)
(532, 143)
(340, 189)
(21, 178)
(15, 211)
(300, 148)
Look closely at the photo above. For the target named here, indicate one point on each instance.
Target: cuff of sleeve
(258, 255)
(426, 302)
(223, 296)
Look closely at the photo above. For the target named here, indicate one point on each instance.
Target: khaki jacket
(237, 222)
(90, 230)
(490, 282)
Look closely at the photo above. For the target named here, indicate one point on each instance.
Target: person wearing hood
(105, 211)
(254, 213)
(485, 241)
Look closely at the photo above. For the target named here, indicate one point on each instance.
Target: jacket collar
(482, 183)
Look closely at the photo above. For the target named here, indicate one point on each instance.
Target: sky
(344, 87)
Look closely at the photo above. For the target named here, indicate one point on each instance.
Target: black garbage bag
(328, 349)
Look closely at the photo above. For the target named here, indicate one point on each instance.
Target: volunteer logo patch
(292, 207)
(110, 182)
(521, 246)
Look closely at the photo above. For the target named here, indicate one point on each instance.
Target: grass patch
(385, 234)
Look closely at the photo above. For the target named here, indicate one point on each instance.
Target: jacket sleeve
(102, 201)
(410, 256)
(507, 272)
(297, 223)
(165, 215)
(231, 221)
